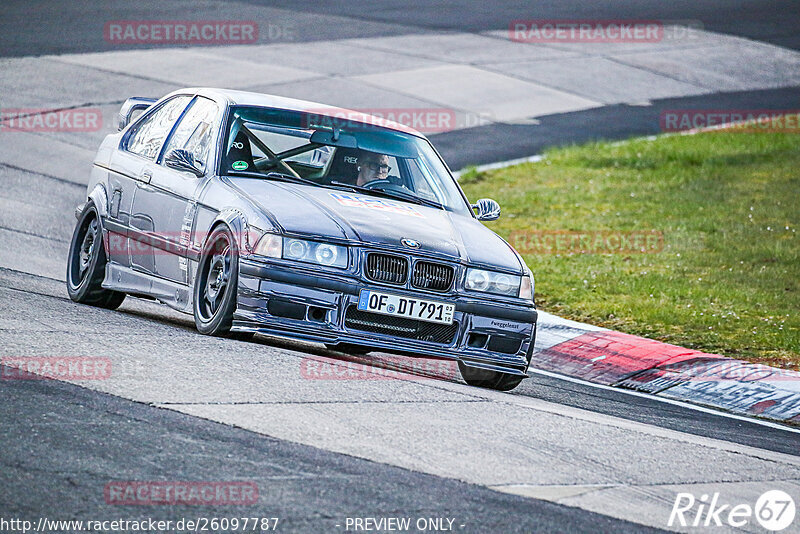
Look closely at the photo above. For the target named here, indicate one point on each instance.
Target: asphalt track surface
(61, 442)
(76, 441)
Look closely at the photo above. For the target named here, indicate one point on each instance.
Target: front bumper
(313, 305)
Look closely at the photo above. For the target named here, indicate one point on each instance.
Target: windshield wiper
(399, 195)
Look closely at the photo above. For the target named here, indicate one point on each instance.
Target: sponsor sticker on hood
(380, 204)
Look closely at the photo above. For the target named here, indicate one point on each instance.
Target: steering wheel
(377, 184)
(392, 183)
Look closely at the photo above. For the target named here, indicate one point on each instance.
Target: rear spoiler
(135, 103)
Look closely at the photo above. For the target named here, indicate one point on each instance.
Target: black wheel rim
(214, 285)
(82, 259)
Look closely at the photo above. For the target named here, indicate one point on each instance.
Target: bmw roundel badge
(410, 243)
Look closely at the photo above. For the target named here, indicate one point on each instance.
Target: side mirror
(130, 106)
(487, 209)
(183, 160)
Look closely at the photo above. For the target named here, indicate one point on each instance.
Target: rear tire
(86, 264)
(216, 284)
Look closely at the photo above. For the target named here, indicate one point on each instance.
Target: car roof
(245, 98)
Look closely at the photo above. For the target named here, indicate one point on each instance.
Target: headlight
(492, 282)
(326, 254)
(313, 252)
(295, 249)
(478, 280)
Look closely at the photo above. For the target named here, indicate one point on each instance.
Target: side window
(194, 132)
(149, 135)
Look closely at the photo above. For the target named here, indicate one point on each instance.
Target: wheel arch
(99, 197)
(236, 221)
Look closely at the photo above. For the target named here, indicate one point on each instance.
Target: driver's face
(373, 168)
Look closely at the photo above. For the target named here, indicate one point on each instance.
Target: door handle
(147, 176)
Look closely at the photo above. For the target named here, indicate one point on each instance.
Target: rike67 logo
(774, 510)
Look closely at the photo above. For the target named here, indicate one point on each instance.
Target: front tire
(216, 283)
(484, 378)
(86, 264)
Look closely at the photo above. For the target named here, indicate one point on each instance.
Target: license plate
(404, 306)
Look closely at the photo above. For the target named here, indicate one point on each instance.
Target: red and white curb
(631, 362)
(609, 358)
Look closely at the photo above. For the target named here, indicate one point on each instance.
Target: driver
(371, 167)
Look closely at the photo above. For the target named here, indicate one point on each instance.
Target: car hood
(378, 221)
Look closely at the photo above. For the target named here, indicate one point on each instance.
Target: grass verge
(725, 278)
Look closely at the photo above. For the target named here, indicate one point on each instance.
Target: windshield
(320, 151)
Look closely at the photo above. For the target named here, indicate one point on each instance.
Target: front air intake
(356, 319)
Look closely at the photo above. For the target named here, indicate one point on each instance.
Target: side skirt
(125, 279)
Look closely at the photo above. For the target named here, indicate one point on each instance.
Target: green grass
(727, 279)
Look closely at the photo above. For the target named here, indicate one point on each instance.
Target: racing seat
(344, 166)
(240, 151)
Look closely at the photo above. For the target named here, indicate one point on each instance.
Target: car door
(132, 165)
(169, 198)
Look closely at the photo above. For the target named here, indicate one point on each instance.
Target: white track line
(501, 164)
(674, 402)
